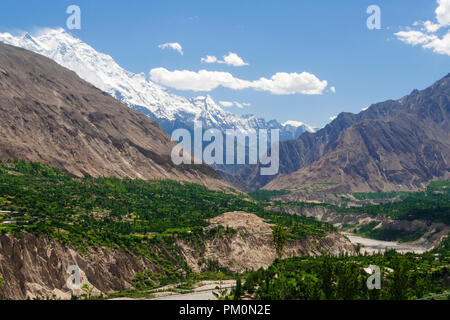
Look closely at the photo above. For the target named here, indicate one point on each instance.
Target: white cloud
(443, 12)
(333, 89)
(333, 117)
(427, 37)
(202, 80)
(232, 59)
(174, 46)
(283, 83)
(414, 37)
(280, 84)
(441, 46)
(431, 27)
(438, 45)
(209, 59)
(293, 123)
(226, 104)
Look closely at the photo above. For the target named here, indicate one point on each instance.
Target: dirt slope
(252, 246)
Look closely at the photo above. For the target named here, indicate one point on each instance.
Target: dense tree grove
(44, 200)
(409, 276)
(140, 217)
(431, 205)
(145, 218)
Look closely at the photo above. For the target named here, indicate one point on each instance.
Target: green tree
(358, 248)
(88, 291)
(327, 277)
(399, 283)
(238, 290)
(348, 281)
(279, 239)
(421, 286)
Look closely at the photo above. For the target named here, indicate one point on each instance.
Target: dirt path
(203, 291)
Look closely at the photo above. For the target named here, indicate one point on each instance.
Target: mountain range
(394, 145)
(65, 122)
(136, 91)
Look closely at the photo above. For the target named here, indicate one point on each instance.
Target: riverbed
(372, 246)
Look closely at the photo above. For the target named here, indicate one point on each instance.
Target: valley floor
(372, 246)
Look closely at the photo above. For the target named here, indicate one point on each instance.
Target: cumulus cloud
(226, 104)
(443, 12)
(232, 59)
(440, 45)
(283, 83)
(426, 36)
(202, 80)
(414, 37)
(333, 118)
(209, 59)
(431, 27)
(333, 89)
(174, 46)
(280, 84)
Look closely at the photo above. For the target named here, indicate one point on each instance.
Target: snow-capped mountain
(137, 91)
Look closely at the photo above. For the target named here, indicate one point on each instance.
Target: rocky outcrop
(36, 267)
(252, 247)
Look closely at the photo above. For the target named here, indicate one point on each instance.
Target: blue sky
(326, 38)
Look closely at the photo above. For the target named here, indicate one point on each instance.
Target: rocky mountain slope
(405, 146)
(391, 145)
(138, 92)
(52, 116)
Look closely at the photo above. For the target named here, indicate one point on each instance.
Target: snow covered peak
(298, 124)
(135, 90)
(293, 123)
(99, 69)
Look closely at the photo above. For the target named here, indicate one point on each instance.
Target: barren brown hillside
(50, 115)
